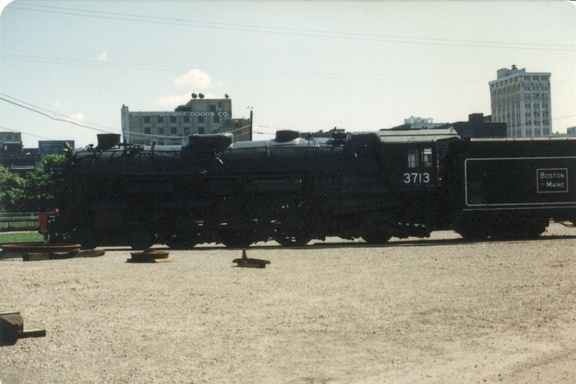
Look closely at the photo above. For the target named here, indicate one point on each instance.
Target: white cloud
(103, 56)
(78, 116)
(61, 104)
(194, 78)
(173, 101)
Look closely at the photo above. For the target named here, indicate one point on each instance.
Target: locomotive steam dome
(213, 142)
(285, 136)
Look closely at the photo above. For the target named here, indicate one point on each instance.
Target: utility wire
(26, 133)
(49, 111)
(67, 120)
(289, 31)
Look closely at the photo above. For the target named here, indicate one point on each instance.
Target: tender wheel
(537, 227)
(473, 234)
(376, 238)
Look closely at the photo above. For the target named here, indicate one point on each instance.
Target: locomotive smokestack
(107, 141)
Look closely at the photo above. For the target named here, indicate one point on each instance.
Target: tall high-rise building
(522, 100)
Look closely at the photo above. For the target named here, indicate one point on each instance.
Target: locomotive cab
(413, 159)
(413, 165)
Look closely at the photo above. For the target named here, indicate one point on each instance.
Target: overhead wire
(289, 31)
(38, 111)
(26, 133)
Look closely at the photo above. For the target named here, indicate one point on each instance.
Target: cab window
(419, 157)
(413, 158)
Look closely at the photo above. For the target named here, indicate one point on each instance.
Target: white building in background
(418, 123)
(199, 116)
(522, 100)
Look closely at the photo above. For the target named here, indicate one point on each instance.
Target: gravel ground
(437, 311)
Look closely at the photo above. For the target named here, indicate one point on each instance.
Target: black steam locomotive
(295, 188)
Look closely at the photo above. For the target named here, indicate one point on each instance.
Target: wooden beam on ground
(12, 329)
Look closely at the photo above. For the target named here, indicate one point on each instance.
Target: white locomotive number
(416, 178)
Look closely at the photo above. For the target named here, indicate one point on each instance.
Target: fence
(18, 221)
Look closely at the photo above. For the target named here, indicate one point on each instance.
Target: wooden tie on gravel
(12, 329)
(149, 256)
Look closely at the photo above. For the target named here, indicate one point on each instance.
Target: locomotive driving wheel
(140, 238)
(291, 238)
(183, 234)
(241, 224)
(291, 228)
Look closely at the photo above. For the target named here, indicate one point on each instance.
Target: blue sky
(302, 65)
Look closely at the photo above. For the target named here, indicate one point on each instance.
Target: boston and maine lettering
(552, 180)
(552, 175)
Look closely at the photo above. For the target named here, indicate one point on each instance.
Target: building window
(201, 130)
(147, 130)
(186, 119)
(172, 119)
(201, 119)
(160, 130)
(173, 130)
(160, 119)
(147, 119)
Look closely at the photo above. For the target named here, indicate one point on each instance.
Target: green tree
(42, 188)
(11, 191)
(38, 191)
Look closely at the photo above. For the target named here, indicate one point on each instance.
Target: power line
(26, 133)
(87, 63)
(52, 112)
(290, 31)
(36, 110)
(239, 71)
(563, 117)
